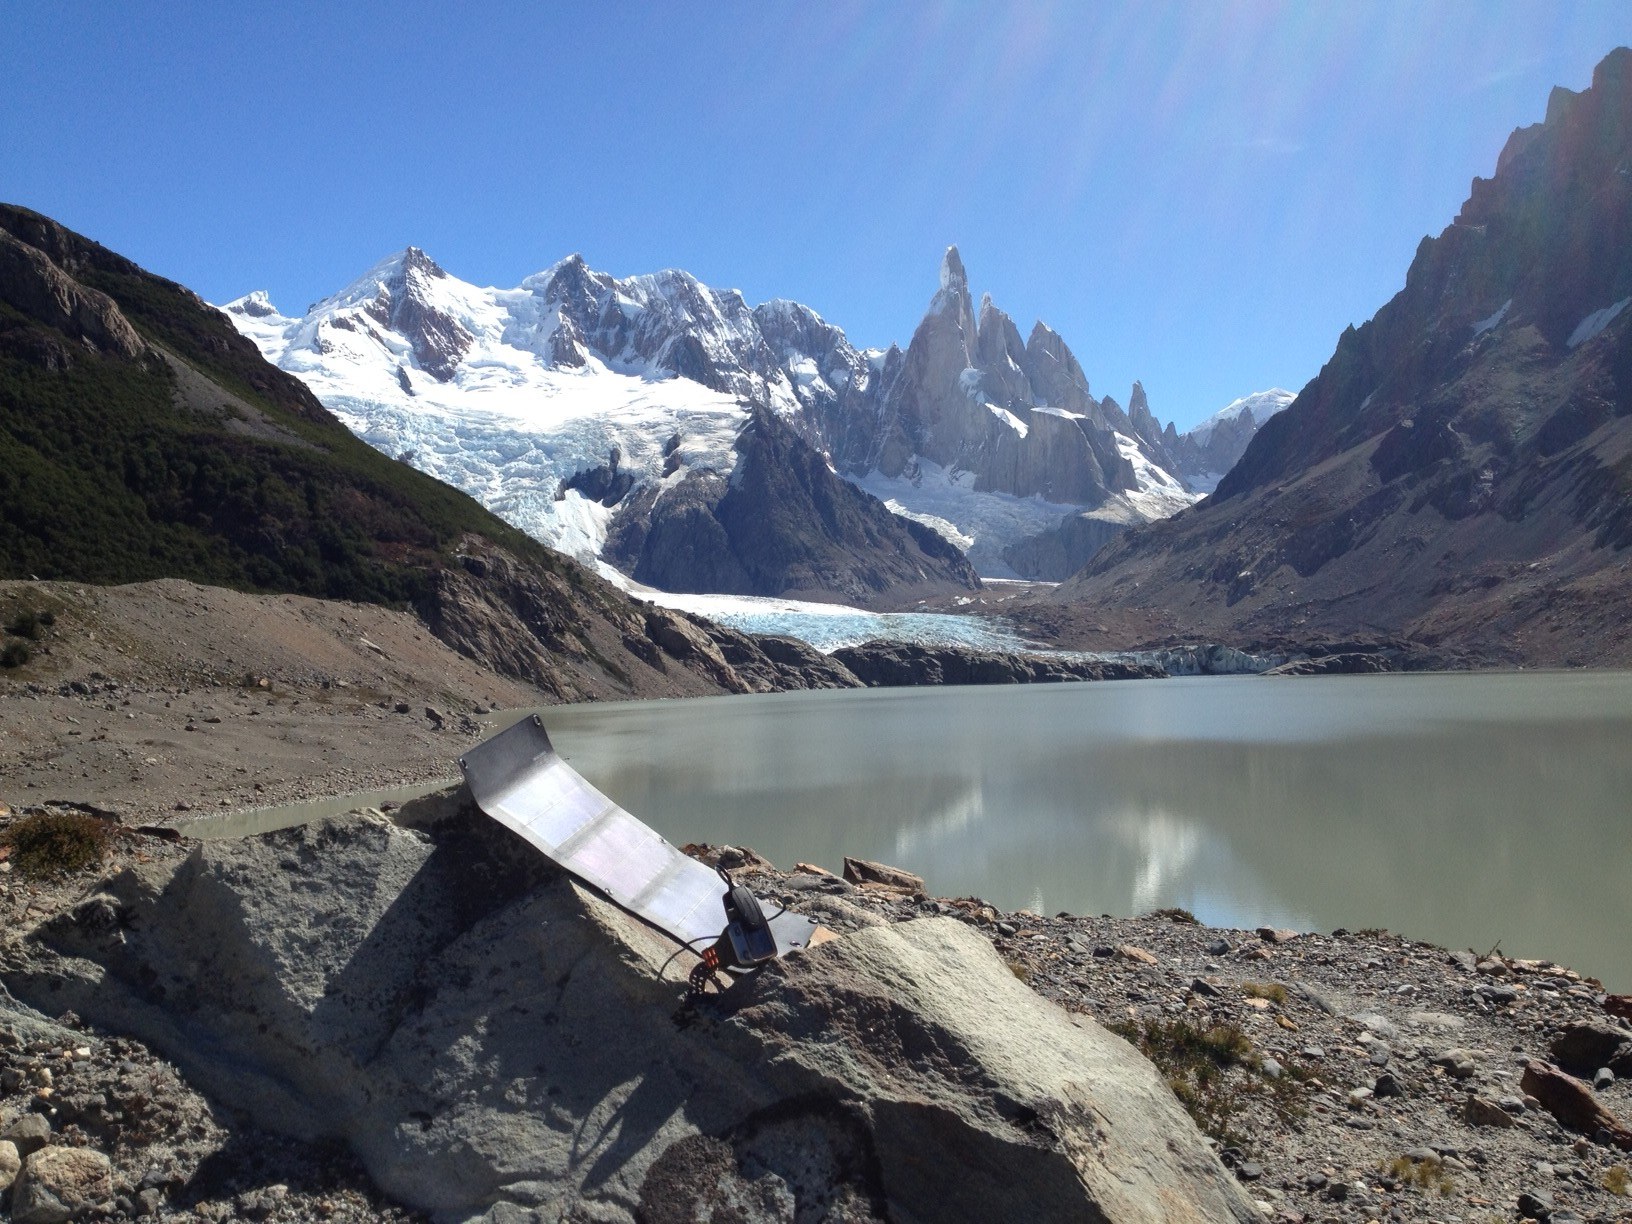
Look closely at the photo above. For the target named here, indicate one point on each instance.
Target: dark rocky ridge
(902, 665)
(783, 524)
(1460, 472)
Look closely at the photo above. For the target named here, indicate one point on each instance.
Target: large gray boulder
(492, 1038)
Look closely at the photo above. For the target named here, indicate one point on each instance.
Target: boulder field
(494, 1041)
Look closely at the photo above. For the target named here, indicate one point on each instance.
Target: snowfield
(1595, 323)
(510, 448)
(979, 522)
(1159, 494)
(1264, 404)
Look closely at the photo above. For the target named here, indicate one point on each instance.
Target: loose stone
(29, 1134)
(1482, 1112)
(1537, 1204)
(10, 1163)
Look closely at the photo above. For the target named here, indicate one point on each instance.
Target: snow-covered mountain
(496, 392)
(599, 413)
(1211, 449)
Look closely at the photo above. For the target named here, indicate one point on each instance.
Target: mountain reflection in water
(1462, 809)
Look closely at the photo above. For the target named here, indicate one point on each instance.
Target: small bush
(1618, 1181)
(15, 654)
(55, 843)
(1216, 1074)
(1273, 991)
(1423, 1174)
(28, 624)
(1174, 913)
(1194, 1060)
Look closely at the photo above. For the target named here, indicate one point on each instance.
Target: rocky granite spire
(1001, 358)
(952, 301)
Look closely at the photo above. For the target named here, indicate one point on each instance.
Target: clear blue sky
(1198, 195)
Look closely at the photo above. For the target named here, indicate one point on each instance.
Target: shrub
(1215, 1073)
(1429, 1174)
(1193, 1060)
(1273, 991)
(28, 624)
(15, 654)
(56, 843)
(1174, 913)
(1618, 1181)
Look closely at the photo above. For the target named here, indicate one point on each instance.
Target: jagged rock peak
(257, 305)
(992, 316)
(1045, 337)
(953, 276)
(572, 266)
(1559, 102)
(566, 278)
(1614, 71)
(394, 273)
(415, 260)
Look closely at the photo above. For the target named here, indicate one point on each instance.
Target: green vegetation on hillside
(104, 481)
(109, 474)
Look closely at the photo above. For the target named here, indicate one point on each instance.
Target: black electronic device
(747, 930)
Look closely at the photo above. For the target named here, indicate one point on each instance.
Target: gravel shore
(1351, 1076)
(1344, 1077)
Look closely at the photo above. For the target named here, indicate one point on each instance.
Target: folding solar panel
(518, 779)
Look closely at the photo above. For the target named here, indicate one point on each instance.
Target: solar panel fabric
(518, 779)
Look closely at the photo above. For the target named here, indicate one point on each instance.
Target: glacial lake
(1467, 810)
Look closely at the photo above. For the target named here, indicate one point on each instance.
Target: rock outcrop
(491, 1038)
(31, 283)
(905, 665)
